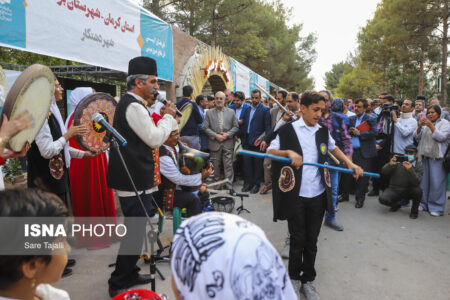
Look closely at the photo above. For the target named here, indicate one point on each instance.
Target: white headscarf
(222, 256)
(75, 97)
(57, 114)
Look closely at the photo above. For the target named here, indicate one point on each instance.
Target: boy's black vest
(286, 179)
(38, 170)
(137, 155)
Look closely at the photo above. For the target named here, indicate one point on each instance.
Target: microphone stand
(152, 235)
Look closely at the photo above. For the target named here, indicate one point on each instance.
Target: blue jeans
(334, 178)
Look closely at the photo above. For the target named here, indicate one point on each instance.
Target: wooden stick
(333, 158)
(271, 97)
(217, 183)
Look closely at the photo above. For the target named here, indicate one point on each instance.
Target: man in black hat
(405, 174)
(133, 121)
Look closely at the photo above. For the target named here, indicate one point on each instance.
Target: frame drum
(3, 85)
(186, 110)
(103, 104)
(32, 91)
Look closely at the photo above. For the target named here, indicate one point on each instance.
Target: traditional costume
(90, 195)
(222, 256)
(133, 121)
(302, 196)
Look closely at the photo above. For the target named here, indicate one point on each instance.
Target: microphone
(164, 101)
(239, 195)
(98, 118)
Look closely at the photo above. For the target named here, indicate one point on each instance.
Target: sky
(336, 24)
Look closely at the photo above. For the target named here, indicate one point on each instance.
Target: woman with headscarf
(433, 134)
(222, 256)
(48, 159)
(90, 195)
(49, 155)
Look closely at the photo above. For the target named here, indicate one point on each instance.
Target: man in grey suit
(221, 125)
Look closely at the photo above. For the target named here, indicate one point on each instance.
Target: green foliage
(400, 49)
(360, 83)
(12, 169)
(337, 71)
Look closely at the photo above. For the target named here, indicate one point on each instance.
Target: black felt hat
(142, 65)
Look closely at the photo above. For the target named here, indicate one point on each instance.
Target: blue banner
(12, 23)
(157, 37)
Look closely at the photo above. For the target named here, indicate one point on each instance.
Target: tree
(360, 83)
(253, 32)
(333, 76)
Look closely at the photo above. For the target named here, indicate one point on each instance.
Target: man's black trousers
(392, 196)
(304, 228)
(126, 270)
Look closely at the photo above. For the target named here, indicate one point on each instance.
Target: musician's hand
(257, 142)
(207, 172)
(358, 170)
(73, 130)
(263, 146)
(296, 159)
(10, 154)
(18, 123)
(203, 188)
(90, 154)
(171, 109)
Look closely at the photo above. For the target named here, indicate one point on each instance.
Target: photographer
(405, 174)
(384, 141)
(404, 127)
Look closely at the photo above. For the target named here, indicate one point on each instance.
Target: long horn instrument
(286, 111)
(288, 160)
(271, 97)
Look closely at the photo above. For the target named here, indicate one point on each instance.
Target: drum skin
(33, 91)
(223, 203)
(103, 104)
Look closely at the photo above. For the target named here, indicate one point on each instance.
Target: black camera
(401, 158)
(388, 108)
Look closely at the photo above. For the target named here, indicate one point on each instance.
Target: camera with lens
(388, 108)
(401, 158)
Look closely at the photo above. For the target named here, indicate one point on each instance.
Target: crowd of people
(406, 141)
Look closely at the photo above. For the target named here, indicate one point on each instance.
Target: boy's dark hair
(25, 203)
(294, 96)
(311, 97)
(187, 91)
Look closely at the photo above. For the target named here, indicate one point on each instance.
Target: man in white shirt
(302, 193)
(404, 127)
(170, 191)
(133, 121)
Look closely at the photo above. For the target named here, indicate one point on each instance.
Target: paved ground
(379, 255)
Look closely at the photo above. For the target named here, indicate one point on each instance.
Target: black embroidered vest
(137, 155)
(286, 179)
(38, 167)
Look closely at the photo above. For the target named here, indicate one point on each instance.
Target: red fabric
(156, 118)
(90, 195)
(2, 161)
